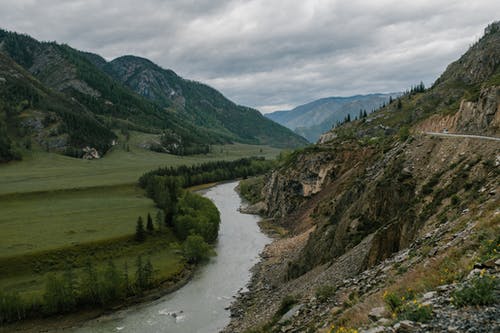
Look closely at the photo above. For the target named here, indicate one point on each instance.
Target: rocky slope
(389, 227)
(312, 119)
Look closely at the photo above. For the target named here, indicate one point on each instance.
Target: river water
(199, 306)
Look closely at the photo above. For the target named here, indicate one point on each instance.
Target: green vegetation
(78, 211)
(49, 171)
(78, 100)
(251, 189)
(406, 307)
(61, 218)
(323, 293)
(196, 249)
(481, 290)
(196, 215)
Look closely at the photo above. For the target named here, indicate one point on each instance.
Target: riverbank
(72, 320)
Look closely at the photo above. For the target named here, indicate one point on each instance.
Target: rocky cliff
(389, 226)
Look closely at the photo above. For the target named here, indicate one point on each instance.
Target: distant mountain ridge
(128, 93)
(312, 119)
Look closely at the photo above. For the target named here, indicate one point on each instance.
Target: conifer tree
(140, 234)
(149, 224)
(159, 220)
(139, 273)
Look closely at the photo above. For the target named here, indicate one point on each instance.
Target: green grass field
(55, 219)
(57, 210)
(41, 171)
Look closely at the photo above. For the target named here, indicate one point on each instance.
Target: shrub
(481, 290)
(342, 329)
(196, 249)
(323, 293)
(406, 307)
(415, 311)
(286, 304)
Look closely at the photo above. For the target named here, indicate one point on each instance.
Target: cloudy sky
(269, 54)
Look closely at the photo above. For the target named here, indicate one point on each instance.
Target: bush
(286, 304)
(406, 307)
(481, 290)
(323, 293)
(455, 200)
(196, 249)
(415, 311)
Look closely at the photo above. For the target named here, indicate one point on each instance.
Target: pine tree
(126, 280)
(159, 220)
(139, 273)
(149, 224)
(400, 105)
(89, 287)
(140, 234)
(148, 274)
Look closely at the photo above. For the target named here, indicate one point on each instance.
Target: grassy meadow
(57, 211)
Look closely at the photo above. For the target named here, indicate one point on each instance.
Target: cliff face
(481, 117)
(380, 194)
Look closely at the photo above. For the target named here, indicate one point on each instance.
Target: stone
(384, 321)
(406, 326)
(473, 273)
(429, 295)
(377, 313)
(377, 329)
(90, 153)
(290, 313)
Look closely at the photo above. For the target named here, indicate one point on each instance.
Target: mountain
(132, 93)
(201, 104)
(391, 222)
(313, 119)
(29, 110)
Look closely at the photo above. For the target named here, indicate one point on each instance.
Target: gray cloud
(269, 54)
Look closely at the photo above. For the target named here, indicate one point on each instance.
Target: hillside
(185, 123)
(29, 111)
(313, 119)
(392, 225)
(201, 104)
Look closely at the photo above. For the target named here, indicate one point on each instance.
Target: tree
(143, 274)
(89, 286)
(159, 220)
(126, 280)
(149, 224)
(400, 104)
(196, 249)
(148, 274)
(112, 283)
(140, 233)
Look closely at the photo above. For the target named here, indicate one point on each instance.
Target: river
(199, 306)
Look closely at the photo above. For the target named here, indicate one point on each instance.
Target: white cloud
(269, 54)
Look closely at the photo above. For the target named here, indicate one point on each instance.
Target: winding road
(492, 138)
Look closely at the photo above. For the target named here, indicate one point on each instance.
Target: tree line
(89, 287)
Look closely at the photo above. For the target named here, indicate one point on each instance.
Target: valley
(75, 211)
(133, 199)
